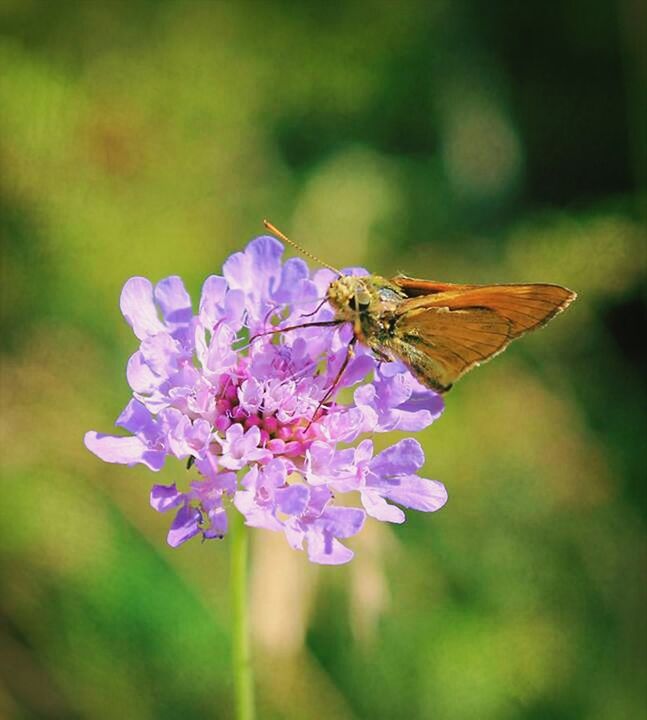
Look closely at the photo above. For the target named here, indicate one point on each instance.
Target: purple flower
(243, 408)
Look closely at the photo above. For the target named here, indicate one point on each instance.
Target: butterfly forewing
(445, 332)
(525, 306)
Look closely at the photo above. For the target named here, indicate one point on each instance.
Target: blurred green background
(460, 141)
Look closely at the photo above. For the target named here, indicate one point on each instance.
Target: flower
(241, 403)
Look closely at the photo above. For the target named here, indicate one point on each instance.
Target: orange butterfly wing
(444, 330)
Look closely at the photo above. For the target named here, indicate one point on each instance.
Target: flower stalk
(241, 654)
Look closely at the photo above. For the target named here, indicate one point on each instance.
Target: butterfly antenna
(286, 239)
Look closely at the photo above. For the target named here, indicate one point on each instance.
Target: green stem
(242, 665)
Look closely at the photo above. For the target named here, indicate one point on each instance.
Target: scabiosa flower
(241, 404)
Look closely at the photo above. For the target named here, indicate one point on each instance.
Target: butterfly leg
(349, 355)
(316, 310)
(322, 323)
(380, 354)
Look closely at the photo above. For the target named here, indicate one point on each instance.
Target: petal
(322, 279)
(123, 450)
(140, 377)
(198, 435)
(229, 462)
(174, 300)
(293, 534)
(155, 402)
(342, 521)
(395, 389)
(210, 490)
(165, 497)
(234, 433)
(236, 270)
(400, 401)
(427, 400)
(184, 526)
(249, 480)
(307, 299)
(249, 441)
(355, 271)
(187, 438)
(418, 494)
(391, 369)
(293, 273)
(211, 299)
(365, 395)
(292, 500)
(255, 271)
(234, 308)
(177, 441)
(345, 424)
(403, 458)
(218, 355)
(265, 252)
(136, 419)
(207, 467)
(407, 421)
(187, 380)
(169, 418)
(324, 463)
(380, 509)
(255, 515)
(319, 497)
(138, 308)
(218, 526)
(250, 395)
(327, 551)
(275, 473)
(160, 352)
(364, 452)
(419, 411)
(358, 368)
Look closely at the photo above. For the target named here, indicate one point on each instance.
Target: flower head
(242, 404)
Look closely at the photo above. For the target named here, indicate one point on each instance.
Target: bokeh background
(461, 141)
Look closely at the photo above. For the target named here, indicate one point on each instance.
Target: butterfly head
(350, 296)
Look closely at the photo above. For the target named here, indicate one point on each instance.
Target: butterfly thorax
(368, 302)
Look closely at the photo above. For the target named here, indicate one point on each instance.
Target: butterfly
(440, 331)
